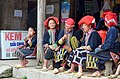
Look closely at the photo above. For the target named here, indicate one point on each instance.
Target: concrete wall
(56, 4)
(7, 19)
(9, 22)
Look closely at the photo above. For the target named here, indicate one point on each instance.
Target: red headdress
(70, 22)
(87, 20)
(111, 19)
(54, 18)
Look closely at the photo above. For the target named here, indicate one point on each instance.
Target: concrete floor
(31, 69)
(13, 63)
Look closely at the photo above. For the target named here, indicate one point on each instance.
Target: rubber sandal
(50, 67)
(44, 69)
(19, 66)
(56, 71)
(68, 71)
(95, 74)
(112, 76)
(61, 69)
(118, 76)
(78, 75)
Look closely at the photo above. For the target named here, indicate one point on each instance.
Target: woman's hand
(62, 40)
(64, 37)
(79, 48)
(28, 36)
(67, 47)
(57, 48)
(51, 47)
(100, 46)
(46, 45)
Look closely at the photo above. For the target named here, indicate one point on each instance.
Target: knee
(49, 54)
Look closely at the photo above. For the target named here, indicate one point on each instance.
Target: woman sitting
(110, 44)
(90, 41)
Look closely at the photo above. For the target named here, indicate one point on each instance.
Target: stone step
(10, 78)
(33, 73)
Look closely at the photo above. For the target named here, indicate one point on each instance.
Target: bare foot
(26, 62)
(112, 76)
(95, 74)
(44, 69)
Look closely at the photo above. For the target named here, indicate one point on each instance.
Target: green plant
(23, 77)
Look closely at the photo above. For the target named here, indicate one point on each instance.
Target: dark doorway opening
(32, 14)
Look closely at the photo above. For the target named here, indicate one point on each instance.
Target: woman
(69, 39)
(27, 49)
(90, 41)
(50, 39)
(110, 44)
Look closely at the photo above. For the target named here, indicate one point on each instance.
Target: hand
(51, 47)
(79, 48)
(57, 48)
(68, 48)
(46, 45)
(65, 36)
(28, 36)
(25, 39)
(99, 46)
(62, 40)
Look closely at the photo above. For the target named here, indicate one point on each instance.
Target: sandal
(61, 69)
(112, 76)
(68, 71)
(79, 74)
(56, 71)
(50, 67)
(95, 74)
(44, 69)
(19, 66)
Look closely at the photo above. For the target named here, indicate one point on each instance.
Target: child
(50, 39)
(110, 44)
(90, 41)
(67, 42)
(27, 49)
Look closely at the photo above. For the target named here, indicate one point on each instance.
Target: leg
(108, 68)
(45, 63)
(116, 73)
(118, 70)
(21, 54)
(80, 69)
(24, 62)
(48, 56)
(80, 72)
